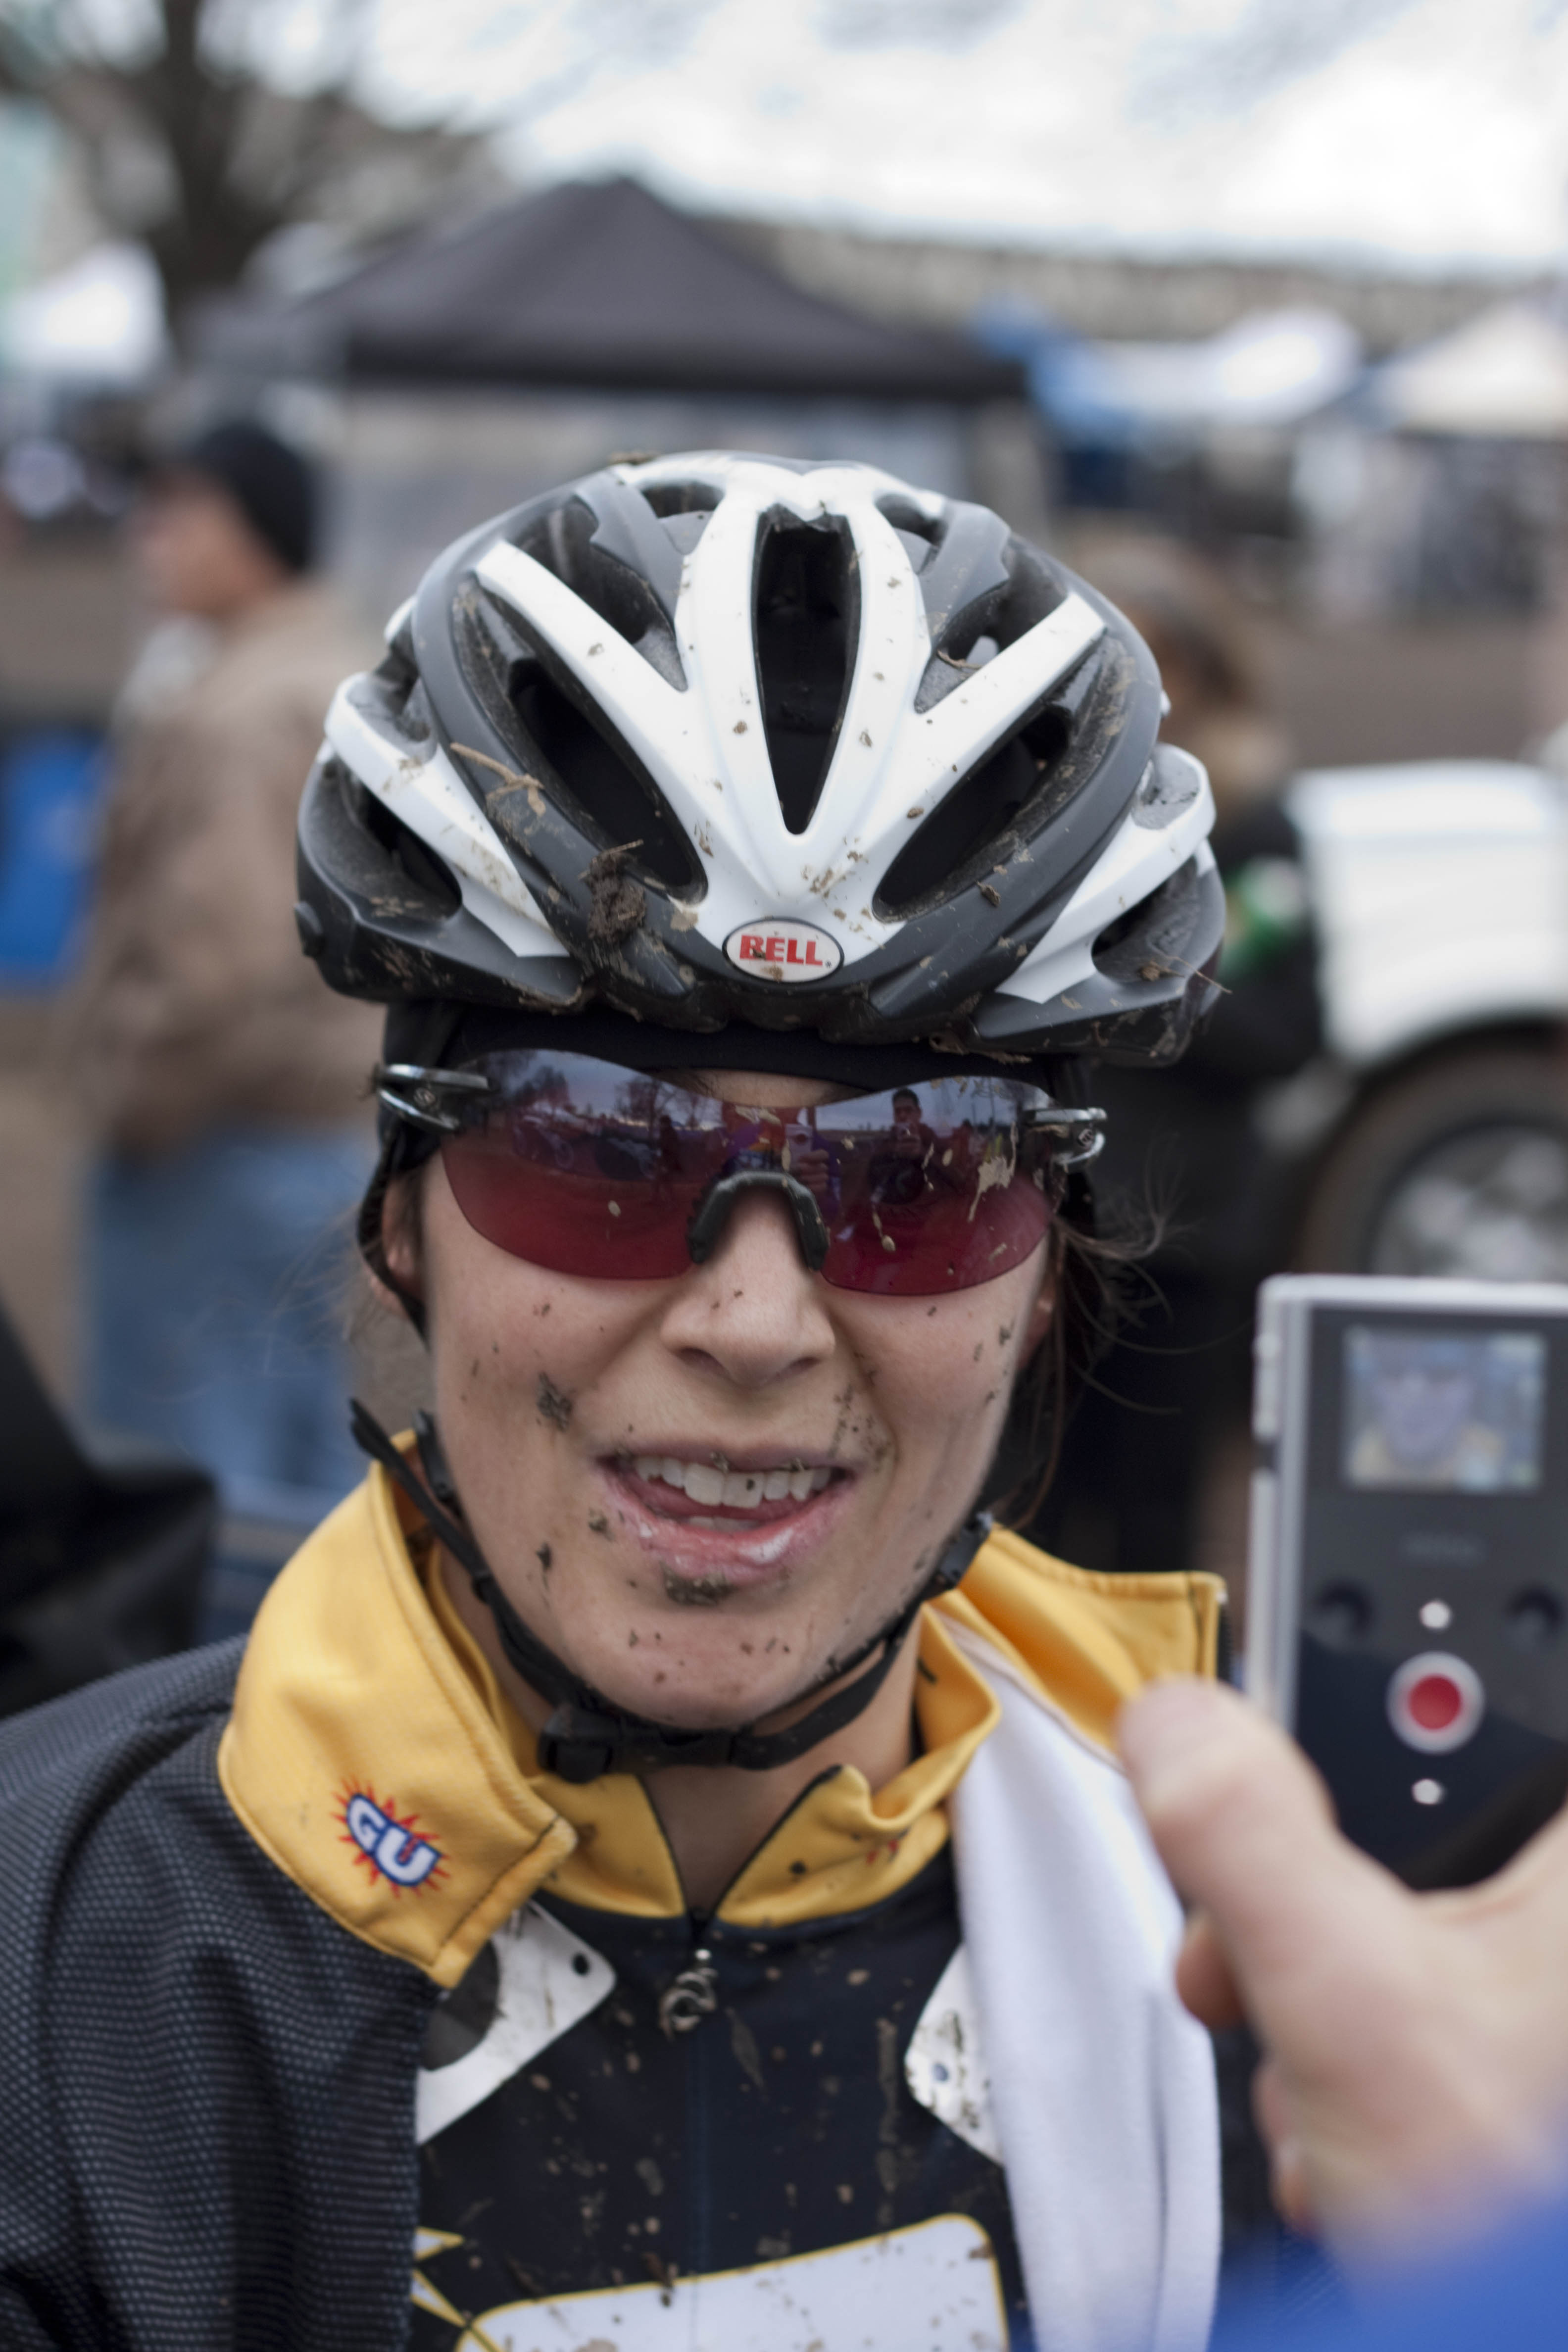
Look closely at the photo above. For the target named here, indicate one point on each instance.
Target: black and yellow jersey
(764, 2139)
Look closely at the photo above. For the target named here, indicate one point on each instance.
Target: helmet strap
(586, 1736)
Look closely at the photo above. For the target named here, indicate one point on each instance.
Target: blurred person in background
(1131, 1487)
(223, 1086)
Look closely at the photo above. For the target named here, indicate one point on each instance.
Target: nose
(752, 1312)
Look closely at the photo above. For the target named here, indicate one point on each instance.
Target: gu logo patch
(387, 1842)
(777, 949)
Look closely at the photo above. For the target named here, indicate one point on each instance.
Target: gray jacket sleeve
(208, 2141)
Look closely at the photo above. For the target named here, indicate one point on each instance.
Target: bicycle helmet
(719, 739)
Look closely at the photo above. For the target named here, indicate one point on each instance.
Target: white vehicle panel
(1440, 892)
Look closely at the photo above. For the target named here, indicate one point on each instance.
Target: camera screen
(1455, 1411)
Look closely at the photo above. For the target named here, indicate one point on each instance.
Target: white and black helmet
(719, 739)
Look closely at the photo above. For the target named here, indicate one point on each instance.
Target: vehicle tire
(1459, 1167)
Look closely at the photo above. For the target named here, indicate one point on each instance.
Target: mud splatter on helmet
(721, 739)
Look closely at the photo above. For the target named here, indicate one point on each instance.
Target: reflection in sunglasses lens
(589, 1169)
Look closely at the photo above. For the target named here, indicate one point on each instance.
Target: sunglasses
(585, 1168)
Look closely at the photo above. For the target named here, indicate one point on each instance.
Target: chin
(697, 1704)
(694, 1692)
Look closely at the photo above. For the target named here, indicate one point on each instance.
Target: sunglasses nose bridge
(711, 1215)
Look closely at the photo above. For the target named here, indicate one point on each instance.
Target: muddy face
(735, 1476)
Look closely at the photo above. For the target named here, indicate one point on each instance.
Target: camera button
(1436, 1702)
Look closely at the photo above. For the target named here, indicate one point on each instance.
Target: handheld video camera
(1407, 1583)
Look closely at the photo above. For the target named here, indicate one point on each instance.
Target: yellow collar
(842, 1844)
(372, 1756)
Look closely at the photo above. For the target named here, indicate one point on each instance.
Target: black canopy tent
(603, 285)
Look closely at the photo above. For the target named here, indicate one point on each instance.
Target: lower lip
(745, 1550)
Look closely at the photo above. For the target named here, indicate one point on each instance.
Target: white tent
(1272, 367)
(1503, 376)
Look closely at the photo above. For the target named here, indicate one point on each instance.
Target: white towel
(1102, 2086)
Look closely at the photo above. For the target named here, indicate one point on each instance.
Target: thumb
(1243, 1826)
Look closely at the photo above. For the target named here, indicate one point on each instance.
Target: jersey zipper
(702, 1973)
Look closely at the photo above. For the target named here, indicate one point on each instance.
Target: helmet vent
(1147, 942)
(952, 847)
(414, 885)
(807, 621)
(668, 498)
(608, 796)
(608, 548)
(911, 522)
(394, 692)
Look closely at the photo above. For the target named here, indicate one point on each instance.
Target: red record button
(1436, 1702)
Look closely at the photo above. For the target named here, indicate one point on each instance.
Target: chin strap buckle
(575, 1747)
(579, 1743)
(570, 1753)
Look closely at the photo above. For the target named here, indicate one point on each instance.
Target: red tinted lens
(584, 1202)
(589, 1169)
(958, 1213)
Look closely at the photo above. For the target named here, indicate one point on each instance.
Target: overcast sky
(1435, 131)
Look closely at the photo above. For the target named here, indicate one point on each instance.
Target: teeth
(735, 1490)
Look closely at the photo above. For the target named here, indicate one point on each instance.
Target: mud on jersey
(624, 2144)
(580, 2168)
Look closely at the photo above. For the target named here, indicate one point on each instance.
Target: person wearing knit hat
(222, 1088)
(274, 487)
(228, 519)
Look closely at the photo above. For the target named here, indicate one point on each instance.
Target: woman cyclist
(658, 1858)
